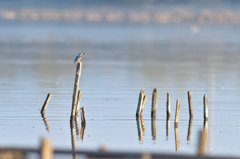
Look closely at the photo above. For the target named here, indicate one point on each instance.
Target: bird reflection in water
(77, 130)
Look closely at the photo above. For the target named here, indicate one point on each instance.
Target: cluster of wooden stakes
(75, 100)
(140, 108)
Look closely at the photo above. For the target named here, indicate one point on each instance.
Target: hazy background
(175, 46)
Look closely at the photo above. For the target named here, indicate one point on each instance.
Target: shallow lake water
(37, 59)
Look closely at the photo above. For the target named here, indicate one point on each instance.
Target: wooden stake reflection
(73, 138)
(205, 128)
(189, 131)
(140, 128)
(167, 128)
(177, 140)
(45, 121)
(154, 129)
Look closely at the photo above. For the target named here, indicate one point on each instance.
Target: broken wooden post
(190, 104)
(154, 103)
(141, 103)
(177, 111)
(168, 106)
(205, 106)
(78, 61)
(44, 107)
(46, 151)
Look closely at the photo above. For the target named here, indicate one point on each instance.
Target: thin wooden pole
(46, 149)
(168, 106)
(76, 87)
(205, 106)
(177, 111)
(44, 107)
(190, 104)
(154, 103)
(141, 102)
(78, 102)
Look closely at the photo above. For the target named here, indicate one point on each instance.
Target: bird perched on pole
(79, 57)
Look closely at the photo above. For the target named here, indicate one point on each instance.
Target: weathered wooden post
(154, 103)
(78, 61)
(44, 107)
(168, 106)
(190, 104)
(177, 112)
(205, 106)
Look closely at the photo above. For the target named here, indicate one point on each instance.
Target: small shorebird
(79, 57)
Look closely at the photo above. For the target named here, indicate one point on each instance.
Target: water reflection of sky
(120, 61)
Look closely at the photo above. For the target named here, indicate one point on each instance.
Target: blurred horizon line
(116, 15)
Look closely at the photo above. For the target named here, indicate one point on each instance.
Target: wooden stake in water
(202, 143)
(46, 149)
(154, 103)
(78, 61)
(177, 111)
(168, 106)
(190, 104)
(44, 107)
(83, 116)
(205, 107)
(141, 103)
(78, 102)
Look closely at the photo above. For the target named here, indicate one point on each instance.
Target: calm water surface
(37, 59)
